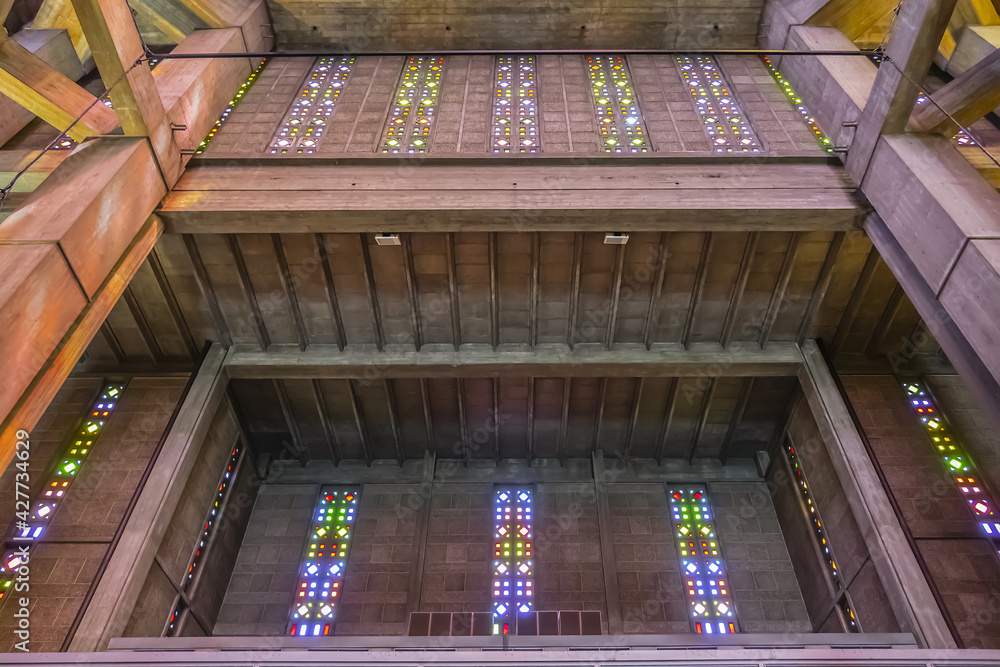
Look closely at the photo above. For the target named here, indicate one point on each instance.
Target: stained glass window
(819, 534)
(233, 103)
(322, 572)
(208, 529)
(412, 116)
(797, 103)
(725, 123)
(619, 120)
(30, 525)
(513, 561)
(302, 129)
(702, 568)
(956, 460)
(515, 106)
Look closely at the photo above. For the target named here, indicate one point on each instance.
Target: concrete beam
(50, 95)
(966, 99)
(908, 591)
(54, 48)
(118, 589)
(916, 33)
(545, 360)
(117, 46)
(459, 195)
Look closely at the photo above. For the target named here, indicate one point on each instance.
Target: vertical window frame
(507, 570)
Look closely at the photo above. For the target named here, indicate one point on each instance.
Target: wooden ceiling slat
(822, 285)
(331, 290)
(696, 291)
(173, 305)
(741, 283)
(778, 296)
(263, 339)
(857, 298)
(288, 287)
(616, 290)
(373, 303)
(667, 422)
(652, 312)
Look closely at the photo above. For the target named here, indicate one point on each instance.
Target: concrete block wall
(959, 561)
(377, 581)
(259, 597)
(760, 571)
(857, 572)
(569, 571)
(650, 590)
(457, 557)
(65, 562)
(567, 115)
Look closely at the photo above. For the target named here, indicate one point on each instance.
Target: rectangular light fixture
(616, 238)
(387, 239)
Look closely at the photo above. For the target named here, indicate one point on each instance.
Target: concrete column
(118, 589)
(904, 582)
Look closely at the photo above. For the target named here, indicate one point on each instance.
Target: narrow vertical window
(960, 467)
(727, 127)
(322, 572)
(796, 101)
(619, 120)
(305, 124)
(415, 107)
(702, 569)
(515, 106)
(207, 532)
(233, 103)
(513, 562)
(31, 521)
(819, 534)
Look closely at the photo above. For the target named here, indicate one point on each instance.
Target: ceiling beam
(290, 421)
(207, 289)
(397, 439)
(369, 276)
(60, 15)
(331, 290)
(701, 274)
(111, 338)
(965, 99)
(743, 274)
(706, 404)
(634, 417)
(854, 304)
(246, 286)
(288, 285)
(741, 405)
(494, 289)
(530, 453)
(778, 295)
(536, 259)
(456, 316)
(463, 420)
(616, 289)
(496, 419)
(574, 294)
(884, 322)
(780, 359)
(145, 332)
(602, 394)
(51, 95)
(428, 416)
(413, 300)
(173, 305)
(667, 421)
(564, 420)
(651, 327)
(821, 286)
(219, 197)
(359, 422)
(324, 417)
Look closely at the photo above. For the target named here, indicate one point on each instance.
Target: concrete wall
(960, 562)
(169, 571)
(857, 574)
(65, 562)
(569, 564)
(463, 123)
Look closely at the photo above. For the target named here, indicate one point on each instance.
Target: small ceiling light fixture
(616, 238)
(387, 239)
